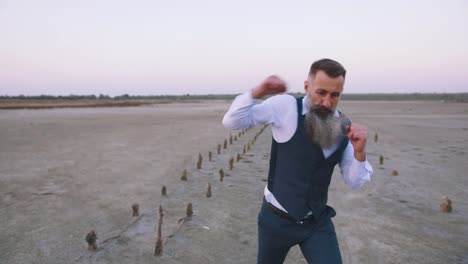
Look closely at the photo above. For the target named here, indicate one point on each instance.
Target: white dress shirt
(280, 112)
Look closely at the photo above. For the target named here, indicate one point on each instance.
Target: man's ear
(306, 85)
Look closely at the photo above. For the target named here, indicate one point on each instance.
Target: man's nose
(326, 102)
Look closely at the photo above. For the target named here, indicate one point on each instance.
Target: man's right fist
(271, 85)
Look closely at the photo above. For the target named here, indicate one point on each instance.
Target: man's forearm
(238, 116)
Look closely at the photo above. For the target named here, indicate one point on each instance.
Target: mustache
(321, 109)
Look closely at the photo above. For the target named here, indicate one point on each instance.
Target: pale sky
(154, 47)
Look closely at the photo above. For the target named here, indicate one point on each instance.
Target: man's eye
(321, 92)
(335, 95)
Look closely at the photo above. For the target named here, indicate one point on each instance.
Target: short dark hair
(332, 68)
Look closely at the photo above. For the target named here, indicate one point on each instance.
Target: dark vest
(299, 174)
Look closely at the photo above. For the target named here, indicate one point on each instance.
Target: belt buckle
(304, 220)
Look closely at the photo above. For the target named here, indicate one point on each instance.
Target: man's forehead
(321, 76)
(323, 81)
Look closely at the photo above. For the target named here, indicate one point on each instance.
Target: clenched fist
(357, 135)
(271, 85)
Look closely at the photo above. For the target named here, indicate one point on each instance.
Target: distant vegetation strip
(124, 97)
(36, 104)
(448, 97)
(50, 101)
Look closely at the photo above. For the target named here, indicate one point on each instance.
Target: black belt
(285, 215)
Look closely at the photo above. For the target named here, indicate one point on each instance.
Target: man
(309, 138)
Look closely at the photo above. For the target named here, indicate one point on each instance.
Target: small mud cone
(225, 144)
(376, 137)
(160, 211)
(184, 175)
(240, 134)
(219, 149)
(238, 157)
(199, 162)
(135, 209)
(394, 173)
(159, 247)
(208, 190)
(235, 138)
(209, 155)
(160, 222)
(189, 212)
(221, 175)
(230, 139)
(164, 191)
(231, 163)
(91, 238)
(381, 160)
(446, 204)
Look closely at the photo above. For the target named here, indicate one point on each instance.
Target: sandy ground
(64, 172)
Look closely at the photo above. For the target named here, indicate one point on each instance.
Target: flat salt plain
(66, 171)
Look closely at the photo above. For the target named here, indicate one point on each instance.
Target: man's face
(324, 91)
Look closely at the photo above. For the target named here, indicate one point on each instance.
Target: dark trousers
(276, 235)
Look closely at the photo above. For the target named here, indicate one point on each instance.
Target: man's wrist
(257, 93)
(360, 156)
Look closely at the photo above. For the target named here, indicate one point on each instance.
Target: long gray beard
(322, 129)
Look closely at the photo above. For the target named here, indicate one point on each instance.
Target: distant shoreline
(46, 101)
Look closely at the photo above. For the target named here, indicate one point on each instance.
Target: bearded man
(309, 138)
